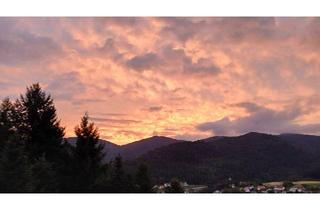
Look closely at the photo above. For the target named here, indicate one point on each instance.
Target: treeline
(35, 157)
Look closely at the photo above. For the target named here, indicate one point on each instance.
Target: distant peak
(159, 137)
(253, 133)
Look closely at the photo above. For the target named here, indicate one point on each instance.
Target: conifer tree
(41, 128)
(6, 121)
(15, 168)
(118, 181)
(44, 176)
(143, 180)
(88, 154)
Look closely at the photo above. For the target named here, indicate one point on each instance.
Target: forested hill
(250, 157)
(132, 150)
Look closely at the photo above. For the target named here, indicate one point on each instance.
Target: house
(195, 188)
(186, 187)
(248, 189)
(293, 190)
(279, 189)
(261, 188)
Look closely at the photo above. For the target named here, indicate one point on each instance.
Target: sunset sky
(186, 78)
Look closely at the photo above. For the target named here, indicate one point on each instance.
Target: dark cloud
(179, 58)
(110, 50)
(261, 119)
(82, 101)
(21, 47)
(110, 114)
(117, 121)
(203, 65)
(155, 108)
(66, 86)
(144, 62)
(244, 29)
(221, 30)
(182, 28)
(128, 132)
(169, 59)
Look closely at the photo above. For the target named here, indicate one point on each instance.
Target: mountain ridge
(249, 157)
(133, 149)
(303, 143)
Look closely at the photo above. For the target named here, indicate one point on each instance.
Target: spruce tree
(15, 168)
(41, 128)
(118, 181)
(88, 154)
(143, 180)
(44, 176)
(7, 127)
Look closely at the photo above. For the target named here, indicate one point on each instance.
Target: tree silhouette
(15, 168)
(44, 176)
(143, 180)
(7, 113)
(88, 154)
(41, 128)
(118, 181)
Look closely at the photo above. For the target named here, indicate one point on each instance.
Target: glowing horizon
(186, 78)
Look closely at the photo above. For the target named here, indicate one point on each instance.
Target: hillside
(110, 149)
(134, 149)
(305, 143)
(250, 157)
(137, 148)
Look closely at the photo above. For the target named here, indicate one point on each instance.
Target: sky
(186, 78)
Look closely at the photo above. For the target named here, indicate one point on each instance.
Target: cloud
(182, 28)
(155, 108)
(110, 114)
(110, 50)
(66, 86)
(261, 119)
(23, 47)
(203, 65)
(144, 62)
(117, 121)
(170, 60)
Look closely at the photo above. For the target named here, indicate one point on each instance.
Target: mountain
(210, 139)
(110, 149)
(250, 157)
(212, 161)
(132, 150)
(137, 148)
(305, 143)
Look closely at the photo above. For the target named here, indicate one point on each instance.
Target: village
(273, 187)
(183, 186)
(246, 187)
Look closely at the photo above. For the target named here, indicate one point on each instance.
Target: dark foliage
(40, 126)
(15, 168)
(7, 121)
(121, 182)
(88, 156)
(175, 187)
(143, 179)
(34, 157)
(251, 157)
